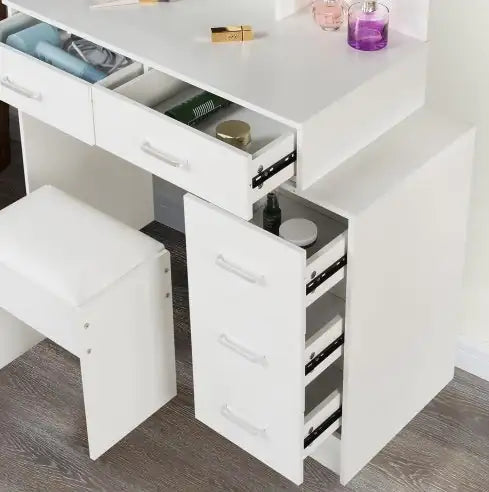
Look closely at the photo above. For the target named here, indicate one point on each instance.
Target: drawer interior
(326, 258)
(161, 92)
(329, 226)
(116, 64)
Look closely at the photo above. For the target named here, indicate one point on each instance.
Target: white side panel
(98, 178)
(248, 322)
(128, 354)
(406, 256)
(16, 338)
(356, 120)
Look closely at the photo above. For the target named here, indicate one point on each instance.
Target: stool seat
(67, 247)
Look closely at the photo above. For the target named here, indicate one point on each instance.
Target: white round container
(301, 232)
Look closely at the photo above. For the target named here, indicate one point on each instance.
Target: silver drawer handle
(243, 351)
(147, 148)
(9, 84)
(235, 419)
(250, 277)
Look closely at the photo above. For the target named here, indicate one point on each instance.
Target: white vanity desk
(347, 137)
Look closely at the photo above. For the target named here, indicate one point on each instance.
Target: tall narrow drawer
(250, 322)
(131, 123)
(41, 90)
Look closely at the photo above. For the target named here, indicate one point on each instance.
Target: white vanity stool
(99, 289)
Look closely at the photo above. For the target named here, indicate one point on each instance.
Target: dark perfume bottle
(272, 215)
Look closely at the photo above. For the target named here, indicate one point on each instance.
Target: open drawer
(250, 323)
(325, 335)
(323, 408)
(44, 91)
(326, 259)
(130, 122)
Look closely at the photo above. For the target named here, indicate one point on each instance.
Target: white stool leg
(15, 338)
(128, 355)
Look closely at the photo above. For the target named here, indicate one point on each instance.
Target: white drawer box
(41, 90)
(130, 122)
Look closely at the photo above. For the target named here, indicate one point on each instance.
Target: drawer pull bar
(274, 169)
(239, 421)
(147, 148)
(240, 272)
(243, 351)
(324, 354)
(327, 274)
(9, 84)
(321, 429)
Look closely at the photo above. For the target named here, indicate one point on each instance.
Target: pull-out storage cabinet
(281, 364)
(249, 348)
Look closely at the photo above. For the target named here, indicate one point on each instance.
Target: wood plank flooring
(43, 445)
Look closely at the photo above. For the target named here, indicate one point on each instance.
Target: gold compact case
(229, 34)
(234, 132)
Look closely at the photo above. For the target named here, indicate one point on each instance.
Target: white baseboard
(473, 357)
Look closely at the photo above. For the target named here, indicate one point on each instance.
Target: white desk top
(290, 72)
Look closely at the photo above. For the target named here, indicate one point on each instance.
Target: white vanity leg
(99, 178)
(16, 338)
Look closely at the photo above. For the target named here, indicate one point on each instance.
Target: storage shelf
(291, 72)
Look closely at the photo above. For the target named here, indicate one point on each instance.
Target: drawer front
(46, 93)
(180, 154)
(248, 324)
(326, 268)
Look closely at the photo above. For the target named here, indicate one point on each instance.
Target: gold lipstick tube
(229, 34)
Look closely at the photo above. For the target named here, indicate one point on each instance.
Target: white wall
(459, 83)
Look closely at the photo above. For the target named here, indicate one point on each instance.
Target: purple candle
(368, 26)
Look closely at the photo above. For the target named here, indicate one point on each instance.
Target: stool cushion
(67, 247)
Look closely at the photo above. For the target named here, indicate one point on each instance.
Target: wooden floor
(43, 444)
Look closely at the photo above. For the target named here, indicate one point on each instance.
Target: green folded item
(197, 108)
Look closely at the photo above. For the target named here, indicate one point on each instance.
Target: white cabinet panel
(248, 356)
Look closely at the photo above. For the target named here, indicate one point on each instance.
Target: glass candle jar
(368, 26)
(328, 14)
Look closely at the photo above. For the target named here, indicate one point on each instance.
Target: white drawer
(41, 90)
(324, 335)
(323, 409)
(130, 122)
(249, 329)
(245, 395)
